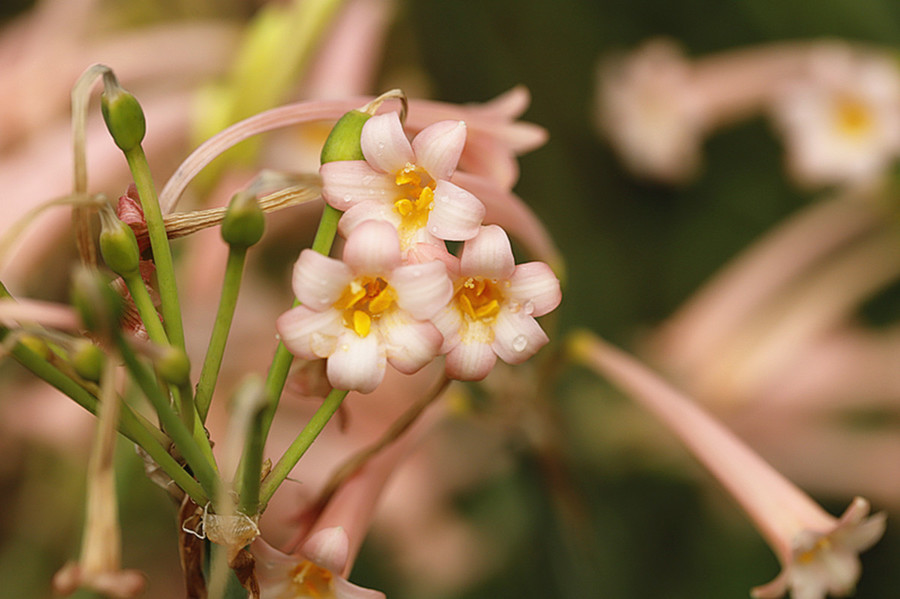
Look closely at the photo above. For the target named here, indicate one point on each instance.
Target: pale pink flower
(494, 306)
(406, 184)
(313, 574)
(365, 311)
(841, 121)
(818, 552)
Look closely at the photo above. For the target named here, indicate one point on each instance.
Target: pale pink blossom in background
(365, 311)
(494, 306)
(841, 119)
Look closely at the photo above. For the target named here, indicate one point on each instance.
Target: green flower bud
(343, 141)
(87, 360)
(172, 365)
(36, 344)
(244, 221)
(100, 307)
(122, 113)
(118, 245)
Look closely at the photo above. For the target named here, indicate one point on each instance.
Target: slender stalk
(183, 438)
(227, 302)
(145, 308)
(251, 464)
(159, 242)
(299, 446)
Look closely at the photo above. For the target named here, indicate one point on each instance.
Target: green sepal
(343, 142)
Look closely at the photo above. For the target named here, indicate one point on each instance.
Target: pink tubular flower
(493, 308)
(366, 310)
(405, 184)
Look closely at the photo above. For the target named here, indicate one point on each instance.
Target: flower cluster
(398, 295)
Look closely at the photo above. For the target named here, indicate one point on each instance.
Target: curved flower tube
(406, 184)
(494, 306)
(365, 311)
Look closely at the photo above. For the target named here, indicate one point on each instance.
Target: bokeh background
(601, 502)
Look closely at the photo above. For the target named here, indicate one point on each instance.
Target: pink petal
(344, 589)
(489, 254)
(439, 146)
(373, 248)
(346, 183)
(367, 210)
(318, 280)
(448, 321)
(517, 336)
(420, 253)
(470, 361)
(309, 334)
(535, 287)
(384, 143)
(329, 548)
(410, 343)
(456, 214)
(358, 363)
(422, 289)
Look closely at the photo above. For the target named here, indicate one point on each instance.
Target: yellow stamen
(479, 298)
(364, 300)
(362, 323)
(310, 580)
(853, 117)
(414, 201)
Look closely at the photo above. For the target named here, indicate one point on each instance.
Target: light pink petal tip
(357, 363)
(319, 280)
(489, 254)
(470, 361)
(373, 248)
(535, 287)
(422, 289)
(410, 344)
(328, 548)
(438, 147)
(346, 183)
(384, 143)
(517, 337)
(309, 334)
(456, 214)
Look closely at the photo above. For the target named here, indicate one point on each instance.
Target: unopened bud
(118, 245)
(100, 307)
(122, 113)
(343, 141)
(173, 365)
(87, 360)
(244, 221)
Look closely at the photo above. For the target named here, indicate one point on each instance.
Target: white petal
(456, 214)
(373, 248)
(318, 280)
(309, 334)
(517, 336)
(470, 361)
(358, 363)
(384, 143)
(439, 146)
(535, 287)
(329, 548)
(489, 255)
(346, 183)
(422, 289)
(410, 343)
(367, 210)
(448, 321)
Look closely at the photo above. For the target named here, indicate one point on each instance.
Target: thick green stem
(183, 438)
(159, 242)
(306, 437)
(213, 362)
(251, 467)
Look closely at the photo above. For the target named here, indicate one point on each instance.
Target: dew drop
(348, 198)
(368, 179)
(520, 343)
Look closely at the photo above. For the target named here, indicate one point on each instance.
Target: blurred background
(572, 492)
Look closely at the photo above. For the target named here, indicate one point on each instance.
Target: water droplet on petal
(348, 198)
(520, 343)
(528, 307)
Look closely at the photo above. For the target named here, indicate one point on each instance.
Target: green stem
(145, 308)
(213, 361)
(327, 230)
(183, 438)
(159, 242)
(251, 467)
(306, 437)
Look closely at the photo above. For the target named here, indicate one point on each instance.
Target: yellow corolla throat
(853, 117)
(415, 200)
(310, 580)
(364, 300)
(479, 298)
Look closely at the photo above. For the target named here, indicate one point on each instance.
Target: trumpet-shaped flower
(406, 184)
(366, 310)
(842, 120)
(494, 306)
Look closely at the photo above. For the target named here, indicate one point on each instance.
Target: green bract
(343, 141)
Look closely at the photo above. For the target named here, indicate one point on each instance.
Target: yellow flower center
(853, 117)
(310, 580)
(479, 299)
(415, 200)
(810, 555)
(363, 301)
